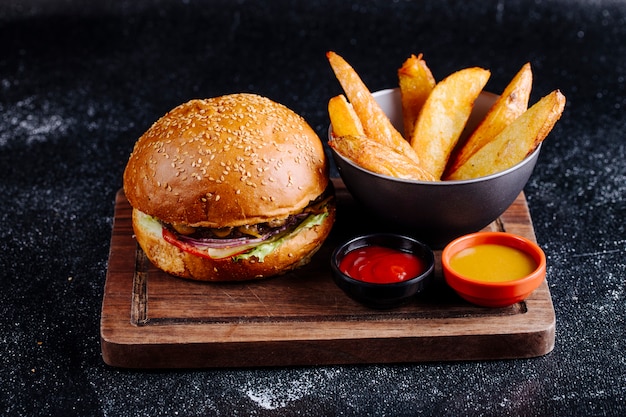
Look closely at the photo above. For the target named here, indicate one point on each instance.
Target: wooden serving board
(153, 320)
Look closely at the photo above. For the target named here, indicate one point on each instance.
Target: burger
(229, 188)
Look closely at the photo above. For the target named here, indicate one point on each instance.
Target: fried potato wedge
(416, 82)
(343, 118)
(376, 124)
(508, 107)
(444, 116)
(516, 141)
(373, 156)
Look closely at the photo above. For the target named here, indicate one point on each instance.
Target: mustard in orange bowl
(493, 269)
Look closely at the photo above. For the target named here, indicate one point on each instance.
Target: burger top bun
(226, 161)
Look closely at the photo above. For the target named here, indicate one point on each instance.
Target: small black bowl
(383, 296)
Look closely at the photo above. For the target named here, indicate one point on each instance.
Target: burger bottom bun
(295, 252)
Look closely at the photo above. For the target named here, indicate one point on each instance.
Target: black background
(79, 83)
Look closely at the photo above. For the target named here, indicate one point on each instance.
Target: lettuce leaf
(264, 249)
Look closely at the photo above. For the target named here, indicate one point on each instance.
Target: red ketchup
(381, 265)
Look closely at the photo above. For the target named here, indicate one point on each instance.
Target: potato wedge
(376, 124)
(373, 156)
(416, 82)
(343, 118)
(516, 141)
(444, 115)
(508, 107)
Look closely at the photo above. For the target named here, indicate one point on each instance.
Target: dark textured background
(79, 83)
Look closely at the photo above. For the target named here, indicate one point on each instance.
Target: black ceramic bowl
(387, 295)
(436, 211)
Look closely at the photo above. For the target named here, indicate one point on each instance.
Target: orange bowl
(492, 281)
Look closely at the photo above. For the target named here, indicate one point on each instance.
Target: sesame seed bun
(227, 162)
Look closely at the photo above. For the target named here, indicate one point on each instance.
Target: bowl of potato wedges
(439, 158)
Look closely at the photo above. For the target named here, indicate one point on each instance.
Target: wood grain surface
(153, 320)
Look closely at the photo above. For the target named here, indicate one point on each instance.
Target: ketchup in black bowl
(382, 270)
(381, 265)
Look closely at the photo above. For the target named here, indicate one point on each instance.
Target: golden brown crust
(295, 252)
(226, 161)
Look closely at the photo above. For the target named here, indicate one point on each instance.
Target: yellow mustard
(493, 263)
